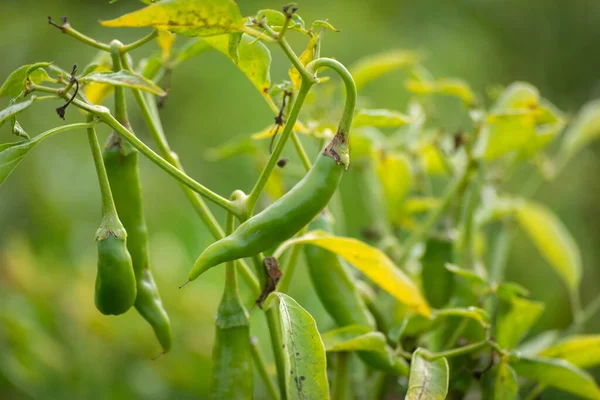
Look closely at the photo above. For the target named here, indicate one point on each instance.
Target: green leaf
(126, 79)
(500, 383)
(584, 129)
(13, 109)
(11, 154)
(186, 17)
(254, 59)
(274, 18)
(557, 373)
(380, 118)
(477, 314)
(371, 346)
(552, 240)
(15, 83)
(428, 379)
(354, 338)
(518, 95)
(372, 67)
(323, 24)
(305, 363)
(516, 317)
(537, 344)
(582, 351)
(471, 277)
(191, 49)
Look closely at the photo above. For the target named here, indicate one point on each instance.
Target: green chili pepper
(286, 216)
(438, 281)
(121, 162)
(333, 282)
(231, 376)
(336, 288)
(115, 281)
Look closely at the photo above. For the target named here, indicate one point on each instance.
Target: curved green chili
(121, 162)
(303, 202)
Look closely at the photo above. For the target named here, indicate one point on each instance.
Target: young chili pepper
(121, 162)
(334, 283)
(115, 290)
(231, 376)
(336, 288)
(286, 216)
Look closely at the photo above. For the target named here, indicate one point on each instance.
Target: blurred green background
(53, 342)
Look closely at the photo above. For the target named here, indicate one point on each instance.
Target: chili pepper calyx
(338, 149)
(110, 226)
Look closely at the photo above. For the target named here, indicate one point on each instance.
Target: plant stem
(138, 43)
(301, 152)
(459, 351)
(588, 312)
(344, 74)
(120, 103)
(66, 28)
(289, 52)
(340, 385)
(105, 116)
(109, 210)
(277, 345)
(285, 134)
(260, 364)
(420, 234)
(230, 277)
(222, 202)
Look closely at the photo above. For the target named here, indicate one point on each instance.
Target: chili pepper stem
(340, 385)
(259, 363)
(277, 346)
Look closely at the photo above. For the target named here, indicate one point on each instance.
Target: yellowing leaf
(373, 263)
(504, 133)
(373, 67)
(584, 129)
(449, 86)
(165, 41)
(428, 379)
(380, 118)
(307, 56)
(96, 93)
(270, 131)
(418, 205)
(582, 351)
(518, 95)
(432, 159)
(185, 17)
(395, 174)
(126, 79)
(254, 58)
(552, 240)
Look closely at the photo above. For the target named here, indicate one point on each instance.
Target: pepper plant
(418, 303)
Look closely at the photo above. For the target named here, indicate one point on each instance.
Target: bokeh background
(54, 344)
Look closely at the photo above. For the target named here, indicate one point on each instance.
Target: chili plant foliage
(421, 297)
